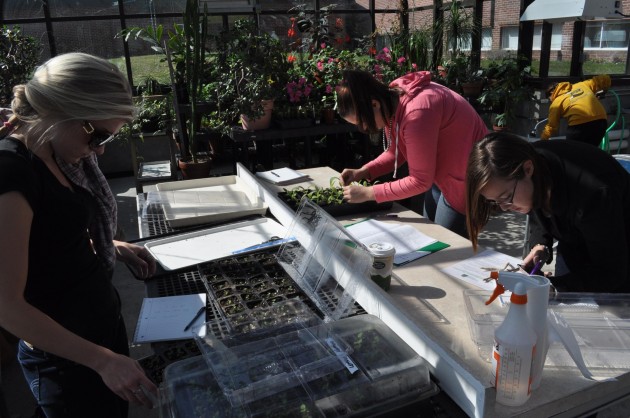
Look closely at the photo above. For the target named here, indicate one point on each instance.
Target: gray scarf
(89, 176)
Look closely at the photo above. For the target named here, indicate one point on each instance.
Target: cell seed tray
(246, 288)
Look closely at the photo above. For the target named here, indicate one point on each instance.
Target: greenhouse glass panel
(70, 8)
(93, 37)
(22, 9)
(154, 6)
(284, 5)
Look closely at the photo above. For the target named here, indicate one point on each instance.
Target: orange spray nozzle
(498, 290)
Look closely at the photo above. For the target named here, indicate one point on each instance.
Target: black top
(590, 217)
(65, 280)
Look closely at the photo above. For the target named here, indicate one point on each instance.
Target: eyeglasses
(507, 202)
(99, 138)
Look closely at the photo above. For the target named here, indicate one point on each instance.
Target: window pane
(20, 9)
(92, 37)
(153, 6)
(556, 37)
(509, 37)
(606, 35)
(64, 8)
(486, 39)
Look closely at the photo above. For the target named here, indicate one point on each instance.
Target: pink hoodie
(436, 129)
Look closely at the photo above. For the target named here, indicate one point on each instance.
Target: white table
(426, 308)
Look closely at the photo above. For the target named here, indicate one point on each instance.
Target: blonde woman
(57, 253)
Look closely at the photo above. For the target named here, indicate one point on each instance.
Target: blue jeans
(66, 389)
(437, 209)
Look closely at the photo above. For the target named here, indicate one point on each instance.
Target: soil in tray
(337, 209)
(246, 285)
(165, 354)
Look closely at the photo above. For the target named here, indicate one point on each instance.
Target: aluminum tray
(196, 247)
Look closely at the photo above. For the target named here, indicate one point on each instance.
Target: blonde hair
(72, 86)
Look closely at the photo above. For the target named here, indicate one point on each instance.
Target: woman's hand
(125, 377)
(538, 253)
(349, 175)
(355, 193)
(138, 258)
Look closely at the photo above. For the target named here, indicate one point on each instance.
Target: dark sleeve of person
(599, 261)
(538, 235)
(16, 174)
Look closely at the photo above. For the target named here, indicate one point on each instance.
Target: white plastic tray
(192, 248)
(600, 323)
(208, 200)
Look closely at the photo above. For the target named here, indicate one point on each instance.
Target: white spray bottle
(537, 302)
(513, 352)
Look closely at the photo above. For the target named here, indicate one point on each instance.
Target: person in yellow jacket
(580, 106)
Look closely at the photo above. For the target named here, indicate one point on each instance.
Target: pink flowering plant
(387, 65)
(299, 93)
(329, 64)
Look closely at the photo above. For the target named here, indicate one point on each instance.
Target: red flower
(291, 32)
(372, 51)
(339, 23)
(347, 39)
(291, 58)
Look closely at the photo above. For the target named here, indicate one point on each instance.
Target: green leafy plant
(19, 54)
(332, 195)
(506, 87)
(253, 67)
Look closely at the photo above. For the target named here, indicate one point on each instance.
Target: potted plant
(328, 65)
(19, 54)
(506, 88)
(194, 28)
(296, 107)
(254, 68)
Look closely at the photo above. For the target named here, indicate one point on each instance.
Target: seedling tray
(254, 292)
(335, 209)
(315, 371)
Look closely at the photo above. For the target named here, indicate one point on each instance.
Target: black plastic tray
(343, 209)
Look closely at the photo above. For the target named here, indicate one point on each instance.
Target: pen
(275, 174)
(536, 268)
(197, 315)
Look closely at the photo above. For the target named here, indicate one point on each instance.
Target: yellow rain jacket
(577, 103)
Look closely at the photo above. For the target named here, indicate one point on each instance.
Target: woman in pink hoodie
(425, 124)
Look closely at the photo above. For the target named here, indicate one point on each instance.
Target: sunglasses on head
(99, 138)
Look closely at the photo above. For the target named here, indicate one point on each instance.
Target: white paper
(163, 319)
(209, 244)
(477, 268)
(282, 176)
(406, 239)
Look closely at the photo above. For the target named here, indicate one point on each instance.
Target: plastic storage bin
(351, 367)
(600, 323)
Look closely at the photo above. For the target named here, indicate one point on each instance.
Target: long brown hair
(500, 155)
(355, 95)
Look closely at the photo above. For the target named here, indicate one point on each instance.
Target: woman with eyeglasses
(573, 193)
(426, 125)
(57, 247)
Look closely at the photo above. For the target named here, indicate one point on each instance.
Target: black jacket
(590, 218)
